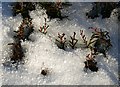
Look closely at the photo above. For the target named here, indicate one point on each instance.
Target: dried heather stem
(73, 41)
(43, 29)
(83, 37)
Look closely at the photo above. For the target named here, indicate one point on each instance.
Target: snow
(0, 42)
(65, 67)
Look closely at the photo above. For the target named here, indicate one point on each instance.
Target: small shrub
(102, 8)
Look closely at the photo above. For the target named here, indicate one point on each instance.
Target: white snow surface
(65, 67)
(0, 43)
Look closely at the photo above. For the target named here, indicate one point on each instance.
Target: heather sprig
(43, 29)
(73, 41)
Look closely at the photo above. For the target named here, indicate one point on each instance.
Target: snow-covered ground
(65, 67)
(0, 43)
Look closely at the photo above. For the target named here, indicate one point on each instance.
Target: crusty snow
(65, 67)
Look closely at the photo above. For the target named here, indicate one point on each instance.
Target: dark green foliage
(45, 5)
(23, 8)
(53, 10)
(61, 41)
(102, 8)
(101, 46)
(73, 41)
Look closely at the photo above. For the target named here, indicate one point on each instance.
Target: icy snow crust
(65, 67)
